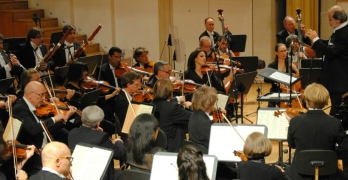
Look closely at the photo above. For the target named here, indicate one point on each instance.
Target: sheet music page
(222, 101)
(80, 154)
(143, 108)
(277, 126)
(95, 164)
(283, 95)
(282, 77)
(8, 130)
(130, 116)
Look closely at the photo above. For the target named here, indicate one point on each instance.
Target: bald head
(34, 92)
(54, 155)
(289, 24)
(33, 86)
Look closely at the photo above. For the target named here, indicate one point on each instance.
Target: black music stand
(240, 86)
(13, 43)
(312, 63)
(91, 61)
(88, 99)
(6, 84)
(249, 63)
(238, 42)
(60, 75)
(309, 76)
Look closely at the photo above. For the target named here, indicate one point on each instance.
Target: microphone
(35, 18)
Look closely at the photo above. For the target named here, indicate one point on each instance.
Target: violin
(47, 108)
(241, 155)
(20, 150)
(91, 84)
(206, 69)
(292, 112)
(121, 69)
(139, 70)
(217, 116)
(149, 67)
(142, 96)
(60, 92)
(189, 86)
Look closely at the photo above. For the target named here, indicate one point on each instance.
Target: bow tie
(35, 49)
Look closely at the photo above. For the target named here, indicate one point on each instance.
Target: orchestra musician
(141, 57)
(223, 44)
(28, 75)
(33, 50)
(314, 129)
(281, 64)
(172, 117)
(289, 28)
(293, 44)
(335, 63)
(205, 45)
(66, 51)
(209, 32)
(196, 61)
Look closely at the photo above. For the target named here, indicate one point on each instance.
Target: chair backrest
(134, 174)
(161, 140)
(304, 162)
(198, 146)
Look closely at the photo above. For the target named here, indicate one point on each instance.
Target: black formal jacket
(173, 120)
(59, 58)
(31, 131)
(106, 74)
(199, 128)
(121, 106)
(25, 54)
(98, 138)
(335, 66)
(215, 36)
(249, 170)
(282, 35)
(216, 82)
(45, 175)
(15, 71)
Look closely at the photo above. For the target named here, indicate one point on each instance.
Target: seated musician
(293, 44)
(223, 44)
(66, 51)
(205, 45)
(141, 57)
(9, 65)
(172, 117)
(91, 133)
(196, 61)
(280, 64)
(130, 83)
(314, 129)
(201, 120)
(256, 148)
(33, 51)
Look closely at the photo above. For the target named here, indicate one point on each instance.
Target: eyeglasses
(67, 157)
(38, 37)
(168, 72)
(41, 94)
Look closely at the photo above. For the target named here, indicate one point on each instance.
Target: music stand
(87, 99)
(309, 76)
(314, 63)
(240, 86)
(6, 84)
(91, 61)
(249, 63)
(60, 75)
(13, 43)
(238, 42)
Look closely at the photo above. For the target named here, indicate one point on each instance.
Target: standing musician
(66, 51)
(314, 129)
(293, 44)
(335, 74)
(289, 29)
(196, 61)
(33, 50)
(141, 57)
(209, 32)
(281, 64)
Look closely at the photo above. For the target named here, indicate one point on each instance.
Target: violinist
(205, 45)
(256, 148)
(66, 51)
(141, 57)
(200, 121)
(289, 28)
(196, 61)
(293, 44)
(314, 129)
(281, 64)
(223, 44)
(28, 75)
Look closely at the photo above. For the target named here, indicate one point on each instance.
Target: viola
(189, 86)
(47, 108)
(241, 155)
(91, 84)
(292, 112)
(217, 116)
(142, 96)
(121, 69)
(20, 150)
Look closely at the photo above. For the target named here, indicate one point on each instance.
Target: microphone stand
(290, 71)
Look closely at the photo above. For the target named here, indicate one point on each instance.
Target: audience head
(207, 103)
(205, 44)
(197, 57)
(35, 93)
(28, 75)
(140, 55)
(336, 16)
(289, 24)
(316, 96)
(163, 89)
(162, 69)
(209, 24)
(35, 35)
(257, 146)
(131, 81)
(115, 56)
(281, 52)
(57, 156)
(92, 116)
(190, 164)
(142, 135)
(71, 37)
(77, 71)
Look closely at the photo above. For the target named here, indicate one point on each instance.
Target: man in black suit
(209, 32)
(32, 52)
(335, 65)
(289, 28)
(56, 161)
(91, 133)
(314, 129)
(66, 51)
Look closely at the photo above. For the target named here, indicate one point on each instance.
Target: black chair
(134, 174)
(198, 146)
(161, 140)
(316, 162)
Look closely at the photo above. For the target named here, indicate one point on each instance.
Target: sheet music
(143, 108)
(283, 95)
(8, 130)
(277, 127)
(222, 101)
(282, 77)
(139, 109)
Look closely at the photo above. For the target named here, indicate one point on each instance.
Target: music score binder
(277, 126)
(278, 76)
(139, 108)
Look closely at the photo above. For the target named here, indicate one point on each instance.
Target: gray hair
(92, 115)
(204, 38)
(159, 66)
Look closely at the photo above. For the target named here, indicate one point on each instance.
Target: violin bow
(44, 127)
(130, 104)
(49, 76)
(14, 152)
(49, 92)
(233, 127)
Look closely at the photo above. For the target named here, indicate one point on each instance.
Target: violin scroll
(241, 155)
